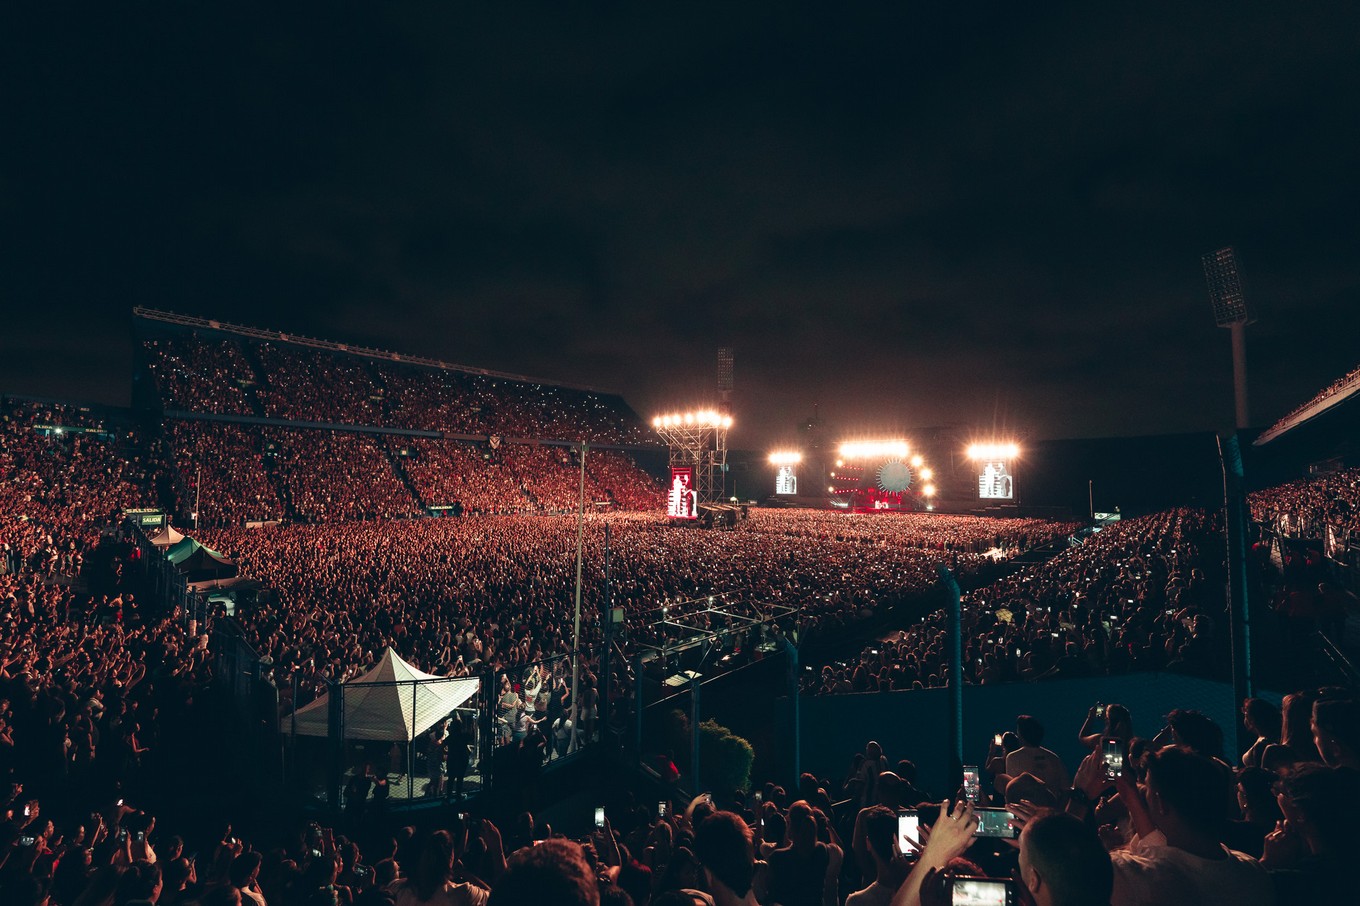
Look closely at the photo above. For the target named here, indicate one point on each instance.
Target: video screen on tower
(995, 481)
(786, 480)
(682, 501)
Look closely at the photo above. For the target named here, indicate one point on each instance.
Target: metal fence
(367, 746)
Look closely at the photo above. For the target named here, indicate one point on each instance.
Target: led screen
(786, 481)
(995, 481)
(682, 501)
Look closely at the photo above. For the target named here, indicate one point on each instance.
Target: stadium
(400, 587)
(451, 456)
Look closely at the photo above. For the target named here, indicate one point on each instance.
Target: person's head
(385, 872)
(1262, 718)
(880, 828)
(1118, 721)
(802, 823)
(1186, 790)
(141, 881)
(1336, 732)
(245, 868)
(890, 789)
(775, 828)
(221, 896)
(1030, 730)
(1296, 729)
(176, 874)
(635, 878)
(1321, 803)
(554, 871)
(722, 843)
(1256, 795)
(1196, 730)
(434, 865)
(1063, 863)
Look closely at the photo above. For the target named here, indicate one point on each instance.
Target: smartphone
(120, 803)
(759, 795)
(908, 830)
(122, 833)
(965, 891)
(996, 740)
(27, 840)
(662, 807)
(1100, 710)
(599, 816)
(972, 782)
(996, 822)
(141, 836)
(1112, 753)
(28, 811)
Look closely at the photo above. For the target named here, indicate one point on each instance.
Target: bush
(724, 759)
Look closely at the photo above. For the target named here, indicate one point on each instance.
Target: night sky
(974, 217)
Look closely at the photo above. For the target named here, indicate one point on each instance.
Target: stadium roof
(273, 336)
(1331, 397)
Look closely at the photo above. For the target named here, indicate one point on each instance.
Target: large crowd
(1311, 507)
(279, 380)
(461, 595)
(1142, 594)
(94, 681)
(1346, 382)
(231, 474)
(1166, 815)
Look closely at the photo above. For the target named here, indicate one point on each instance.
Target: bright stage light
(995, 451)
(929, 490)
(874, 449)
(699, 418)
(917, 460)
(927, 474)
(786, 458)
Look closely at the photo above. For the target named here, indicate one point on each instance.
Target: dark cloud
(908, 217)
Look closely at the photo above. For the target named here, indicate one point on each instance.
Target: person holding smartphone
(890, 865)
(950, 836)
(1116, 720)
(1033, 758)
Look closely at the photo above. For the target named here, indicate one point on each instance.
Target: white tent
(393, 701)
(165, 536)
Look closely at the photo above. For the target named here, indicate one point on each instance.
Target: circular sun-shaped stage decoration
(895, 476)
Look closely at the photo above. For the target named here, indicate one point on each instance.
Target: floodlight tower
(726, 384)
(698, 441)
(1230, 311)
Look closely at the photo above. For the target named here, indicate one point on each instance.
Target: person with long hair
(432, 884)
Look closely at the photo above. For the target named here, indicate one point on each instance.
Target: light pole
(576, 621)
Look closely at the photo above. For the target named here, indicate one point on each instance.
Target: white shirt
(1042, 763)
(1153, 873)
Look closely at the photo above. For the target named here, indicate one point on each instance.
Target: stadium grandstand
(241, 658)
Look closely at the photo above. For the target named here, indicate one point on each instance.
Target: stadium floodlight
(927, 474)
(1230, 311)
(917, 461)
(786, 458)
(874, 449)
(928, 490)
(1225, 287)
(993, 451)
(697, 444)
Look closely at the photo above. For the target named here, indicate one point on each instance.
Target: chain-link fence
(397, 736)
